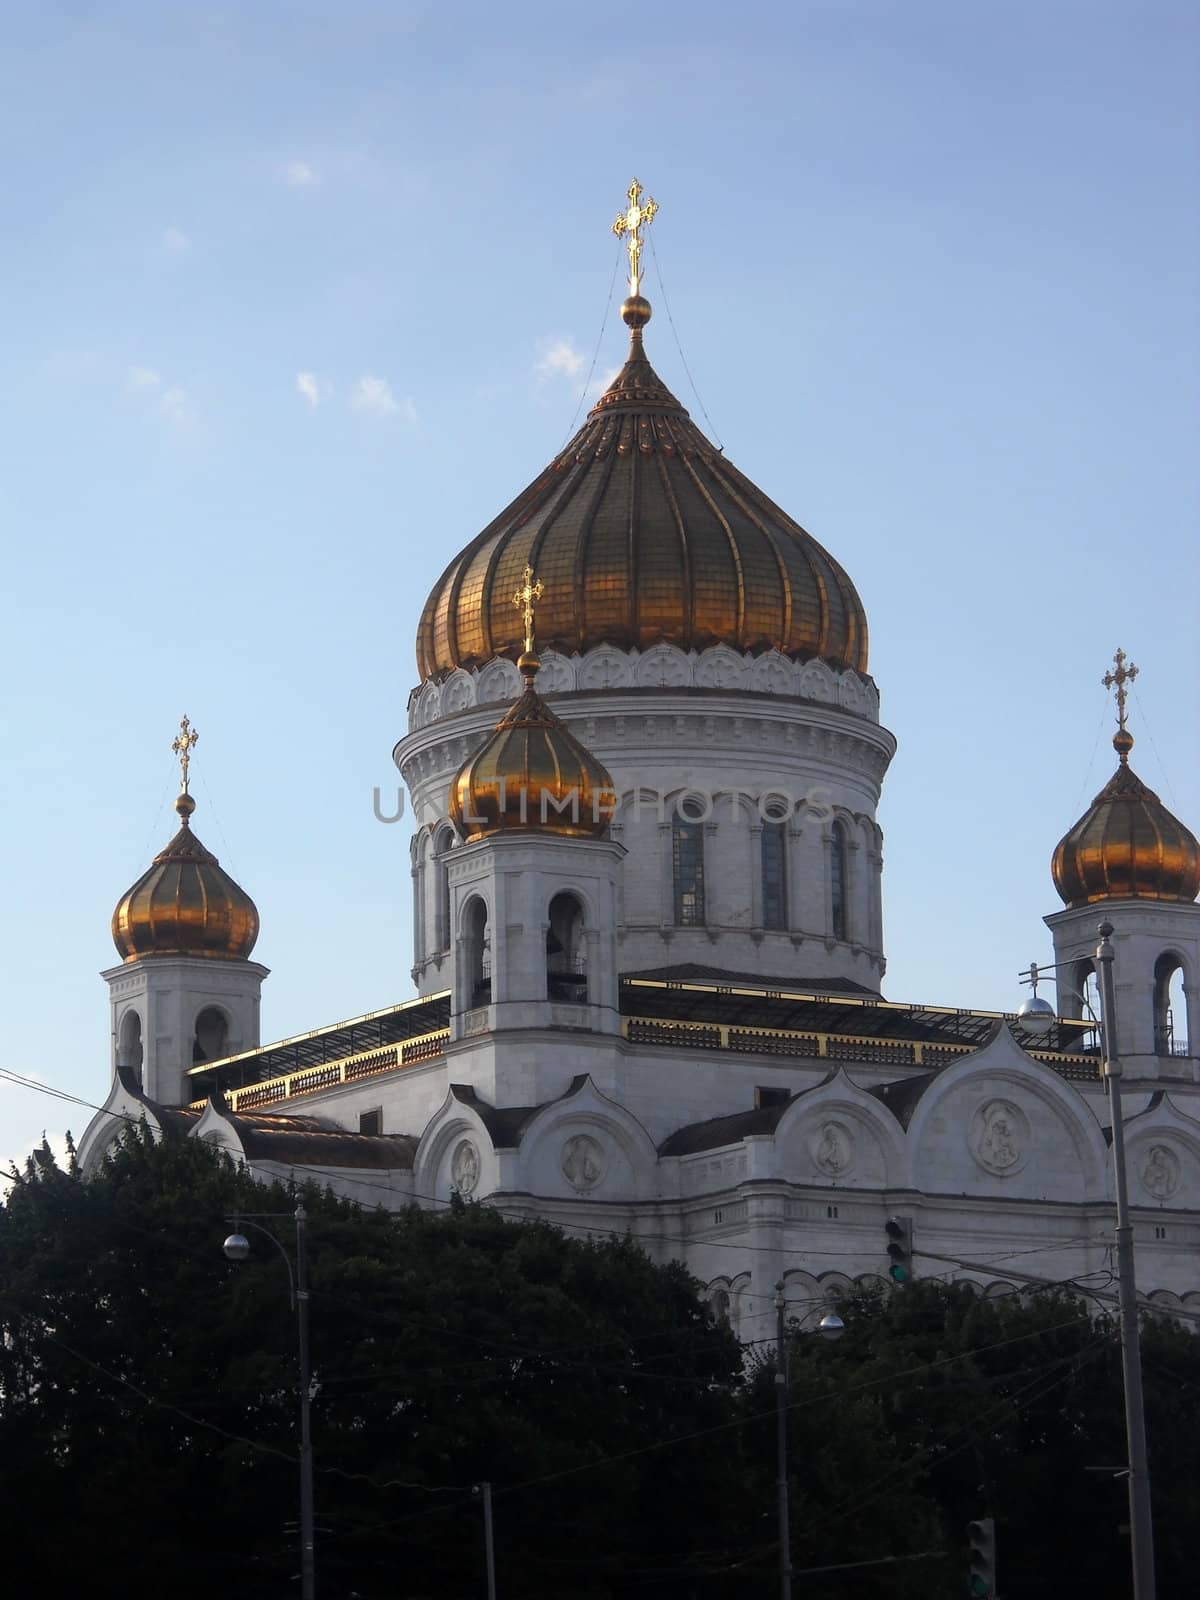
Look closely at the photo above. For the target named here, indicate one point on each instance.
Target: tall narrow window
(837, 880)
(211, 1037)
(477, 954)
(441, 868)
(774, 873)
(687, 861)
(1170, 1008)
(566, 966)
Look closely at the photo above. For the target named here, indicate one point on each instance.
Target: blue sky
(299, 296)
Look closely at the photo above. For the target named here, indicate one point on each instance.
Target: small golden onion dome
(1127, 845)
(644, 533)
(185, 905)
(532, 774)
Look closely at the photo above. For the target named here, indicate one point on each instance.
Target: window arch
(443, 842)
(773, 864)
(1084, 1002)
(687, 863)
(477, 953)
(129, 1044)
(1170, 1006)
(566, 951)
(210, 1041)
(838, 880)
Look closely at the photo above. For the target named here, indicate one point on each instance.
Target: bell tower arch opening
(566, 951)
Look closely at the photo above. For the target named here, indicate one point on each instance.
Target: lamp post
(237, 1248)
(830, 1326)
(1037, 1016)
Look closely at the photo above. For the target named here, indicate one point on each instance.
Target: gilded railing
(335, 1074)
(814, 1045)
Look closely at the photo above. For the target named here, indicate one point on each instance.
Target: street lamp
(237, 1248)
(1037, 1016)
(830, 1326)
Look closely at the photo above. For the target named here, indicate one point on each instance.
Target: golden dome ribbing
(1127, 845)
(532, 773)
(644, 532)
(185, 904)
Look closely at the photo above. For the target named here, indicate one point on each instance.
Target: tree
(937, 1407)
(148, 1395)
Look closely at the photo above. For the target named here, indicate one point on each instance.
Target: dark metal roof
(319, 1142)
(718, 1131)
(332, 1043)
(729, 998)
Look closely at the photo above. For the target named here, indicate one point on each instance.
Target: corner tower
(1128, 859)
(186, 990)
(713, 657)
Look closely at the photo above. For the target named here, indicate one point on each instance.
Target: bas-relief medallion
(999, 1137)
(1159, 1172)
(833, 1151)
(464, 1167)
(583, 1162)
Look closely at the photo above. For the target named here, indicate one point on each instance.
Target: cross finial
(524, 597)
(631, 221)
(1117, 680)
(182, 746)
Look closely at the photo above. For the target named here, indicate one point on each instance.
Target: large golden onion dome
(1127, 845)
(644, 532)
(532, 773)
(185, 904)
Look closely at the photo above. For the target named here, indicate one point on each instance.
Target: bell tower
(1129, 861)
(186, 990)
(533, 890)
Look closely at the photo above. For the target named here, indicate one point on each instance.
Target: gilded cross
(524, 597)
(182, 746)
(1118, 679)
(631, 221)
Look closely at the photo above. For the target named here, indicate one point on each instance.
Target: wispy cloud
(174, 242)
(374, 395)
(171, 401)
(309, 388)
(300, 175)
(559, 358)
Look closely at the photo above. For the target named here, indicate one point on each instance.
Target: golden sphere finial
(184, 806)
(635, 312)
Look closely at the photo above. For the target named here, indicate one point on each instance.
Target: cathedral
(644, 758)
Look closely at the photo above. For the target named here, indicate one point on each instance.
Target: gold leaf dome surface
(532, 773)
(643, 533)
(185, 904)
(1127, 845)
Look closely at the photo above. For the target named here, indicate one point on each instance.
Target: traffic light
(981, 1571)
(899, 1249)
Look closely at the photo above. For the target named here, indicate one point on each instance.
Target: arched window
(687, 864)
(719, 1305)
(1084, 1002)
(443, 841)
(477, 954)
(129, 1044)
(837, 880)
(1170, 1007)
(211, 1036)
(566, 955)
(773, 854)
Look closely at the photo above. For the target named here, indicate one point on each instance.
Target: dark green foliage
(148, 1413)
(448, 1349)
